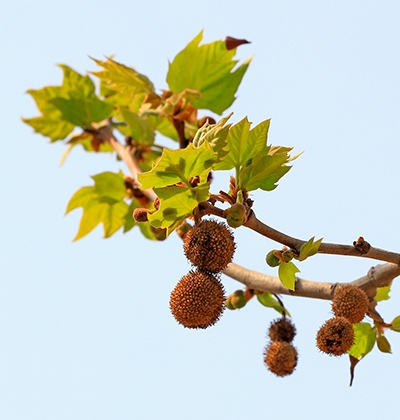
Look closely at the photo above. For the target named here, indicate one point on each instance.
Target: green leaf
(123, 85)
(83, 111)
(179, 166)
(287, 274)
(74, 103)
(109, 185)
(140, 128)
(382, 293)
(215, 135)
(396, 324)
(270, 301)
(80, 199)
(102, 203)
(50, 123)
(309, 248)
(209, 69)
(364, 340)
(265, 170)
(176, 204)
(81, 106)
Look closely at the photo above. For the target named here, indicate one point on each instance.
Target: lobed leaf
(209, 69)
(176, 166)
(287, 274)
(102, 203)
(176, 204)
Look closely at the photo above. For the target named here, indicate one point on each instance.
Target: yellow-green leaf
(209, 69)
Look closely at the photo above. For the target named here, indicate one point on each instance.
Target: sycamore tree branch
(360, 248)
(379, 276)
(106, 134)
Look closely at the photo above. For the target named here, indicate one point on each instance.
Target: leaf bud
(236, 215)
(236, 300)
(272, 259)
(383, 344)
(287, 256)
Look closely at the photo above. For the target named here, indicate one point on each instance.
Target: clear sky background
(85, 327)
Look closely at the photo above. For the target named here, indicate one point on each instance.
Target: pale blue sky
(85, 328)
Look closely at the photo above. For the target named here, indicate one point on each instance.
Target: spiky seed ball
(336, 336)
(209, 245)
(198, 300)
(280, 358)
(351, 302)
(282, 329)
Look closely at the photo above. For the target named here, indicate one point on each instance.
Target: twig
(325, 248)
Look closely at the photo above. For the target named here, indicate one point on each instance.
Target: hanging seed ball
(336, 336)
(350, 302)
(280, 358)
(198, 300)
(209, 245)
(282, 329)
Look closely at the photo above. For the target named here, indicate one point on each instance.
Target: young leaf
(123, 85)
(270, 301)
(243, 144)
(80, 106)
(215, 135)
(309, 248)
(287, 274)
(208, 69)
(74, 103)
(176, 166)
(382, 293)
(102, 203)
(110, 185)
(50, 123)
(265, 170)
(176, 204)
(364, 340)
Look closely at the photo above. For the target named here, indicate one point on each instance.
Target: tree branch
(105, 133)
(379, 276)
(358, 249)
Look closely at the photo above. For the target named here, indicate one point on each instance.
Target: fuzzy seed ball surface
(282, 329)
(350, 302)
(336, 336)
(209, 246)
(198, 300)
(280, 358)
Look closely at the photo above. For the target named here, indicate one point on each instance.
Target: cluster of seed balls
(198, 299)
(349, 306)
(280, 356)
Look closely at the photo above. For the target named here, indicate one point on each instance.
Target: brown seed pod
(282, 329)
(350, 302)
(280, 358)
(336, 336)
(209, 245)
(198, 300)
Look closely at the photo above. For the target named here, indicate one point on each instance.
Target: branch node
(362, 245)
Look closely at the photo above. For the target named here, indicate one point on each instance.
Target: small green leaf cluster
(283, 260)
